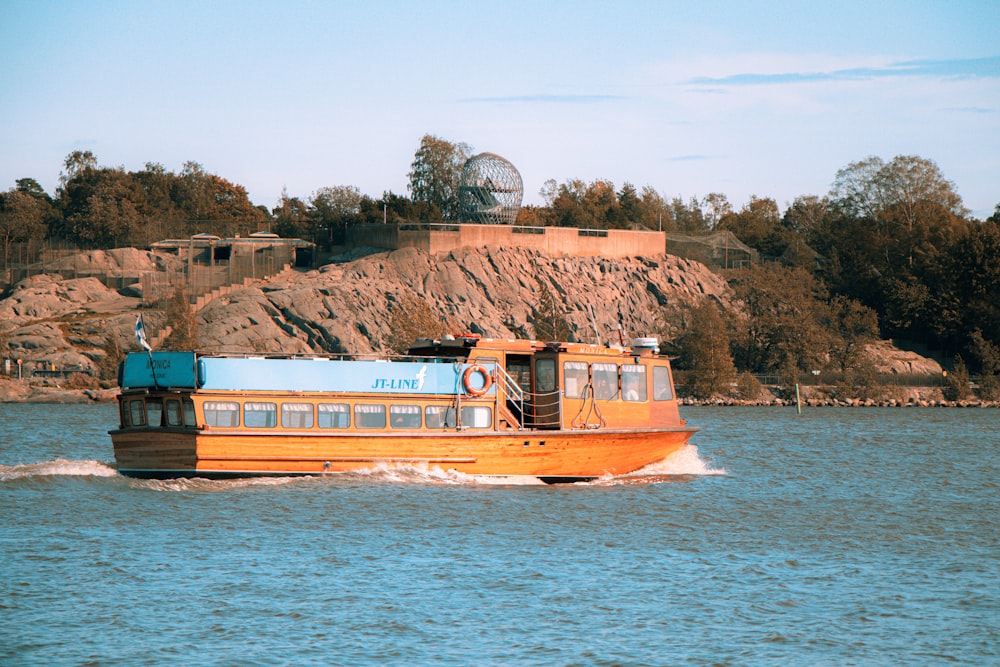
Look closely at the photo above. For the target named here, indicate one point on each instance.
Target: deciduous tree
(411, 318)
(436, 173)
(786, 326)
(758, 224)
(715, 205)
(332, 209)
(654, 211)
(705, 352)
(22, 217)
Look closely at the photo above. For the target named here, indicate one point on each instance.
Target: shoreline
(13, 391)
(838, 403)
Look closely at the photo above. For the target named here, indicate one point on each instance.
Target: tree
(987, 355)
(889, 237)
(291, 217)
(411, 318)
(786, 327)
(654, 211)
(213, 204)
(956, 385)
(101, 208)
(549, 318)
(628, 206)
(184, 325)
(715, 205)
(393, 208)
(705, 352)
(76, 164)
(600, 204)
(852, 326)
(806, 217)
(332, 209)
(689, 217)
(972, 271)
(436, 173)
(568, 209)
(533, 216)
(30, 186)
(161, 216)
(899, 196)
(758, 224)
(22, 217)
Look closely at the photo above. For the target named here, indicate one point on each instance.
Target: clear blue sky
(744, 98)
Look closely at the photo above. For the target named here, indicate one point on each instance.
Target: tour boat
(498, 410)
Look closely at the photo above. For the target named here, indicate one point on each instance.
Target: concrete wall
(548, 240)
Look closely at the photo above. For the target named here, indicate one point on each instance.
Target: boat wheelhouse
(496, 409)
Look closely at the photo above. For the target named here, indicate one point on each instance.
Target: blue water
(835, 537)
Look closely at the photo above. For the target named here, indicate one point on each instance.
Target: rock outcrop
(52, 320)
(489, 291)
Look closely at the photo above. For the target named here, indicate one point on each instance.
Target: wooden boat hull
(549, 455)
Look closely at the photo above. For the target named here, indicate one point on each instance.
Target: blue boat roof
(184, 370)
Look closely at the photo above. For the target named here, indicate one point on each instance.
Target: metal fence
(197, 277)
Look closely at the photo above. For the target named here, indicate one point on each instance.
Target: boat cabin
(465, 383)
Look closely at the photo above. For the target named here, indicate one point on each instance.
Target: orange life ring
(467, 380)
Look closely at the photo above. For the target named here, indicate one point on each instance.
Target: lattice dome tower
(490, 191)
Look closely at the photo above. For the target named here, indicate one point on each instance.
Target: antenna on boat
(593, 323)
(620, 327)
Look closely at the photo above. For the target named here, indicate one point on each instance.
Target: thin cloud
(955, 68)
(971, 109)
(688, 158)
(546, 99)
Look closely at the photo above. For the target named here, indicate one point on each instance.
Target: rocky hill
(48, 320)
(489, 291)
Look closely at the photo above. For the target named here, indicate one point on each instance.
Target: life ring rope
(472, 390)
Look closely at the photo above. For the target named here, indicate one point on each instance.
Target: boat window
(634, 382)
(123, 409)
(404, 416)
(334, 415)
(605, 381)
(154, 412)
(222, 413)
(545, 375)
(296, 415)
(662, 390)
(260, 415)
(137, 411)
(174, 413)
(575, 378)
(477, 416)
(369, 415)
(189, 418)
(439, 416)
(520, 370)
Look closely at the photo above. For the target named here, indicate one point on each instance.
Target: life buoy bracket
(471, 389)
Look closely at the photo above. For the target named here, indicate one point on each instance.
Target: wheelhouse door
(546, 394)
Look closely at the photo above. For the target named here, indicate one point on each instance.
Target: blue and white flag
(140, 334)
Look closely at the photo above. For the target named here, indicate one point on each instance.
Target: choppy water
(836, 537)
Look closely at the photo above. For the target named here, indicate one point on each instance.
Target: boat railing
(544, 410)
(513, 394)
(372, 356)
